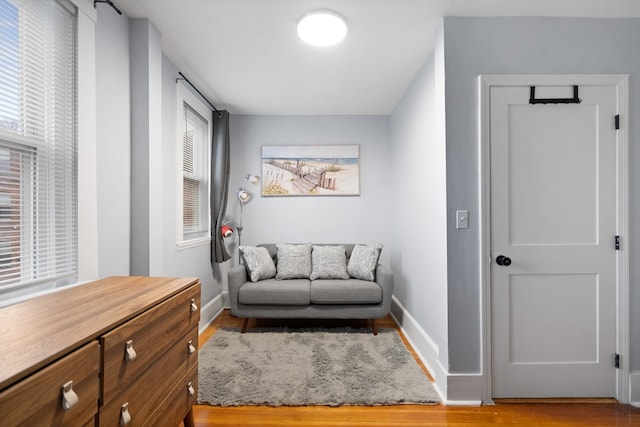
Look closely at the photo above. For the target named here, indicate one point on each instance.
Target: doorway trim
(621, 82)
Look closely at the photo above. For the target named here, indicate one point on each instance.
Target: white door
(553, 216)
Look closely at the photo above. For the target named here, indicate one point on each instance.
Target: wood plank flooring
(528, 413)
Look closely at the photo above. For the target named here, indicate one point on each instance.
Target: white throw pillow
(258, 263)
(363, 262)
(294, 261)
(329, 262)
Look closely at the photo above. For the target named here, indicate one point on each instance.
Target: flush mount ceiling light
(322, 28)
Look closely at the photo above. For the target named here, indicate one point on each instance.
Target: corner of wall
(453, 389)
(209, 312)
(634, 389)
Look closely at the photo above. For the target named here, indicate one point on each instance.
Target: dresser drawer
(143, 395)
(129, 349)
(179, 402)
(38, 399)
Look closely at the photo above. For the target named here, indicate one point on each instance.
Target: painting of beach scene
(310, 170)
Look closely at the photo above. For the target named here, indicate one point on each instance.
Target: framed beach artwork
(310, 170)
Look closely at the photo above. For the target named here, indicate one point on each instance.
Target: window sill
(192, 243)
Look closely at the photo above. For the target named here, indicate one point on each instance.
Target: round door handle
(503, 260)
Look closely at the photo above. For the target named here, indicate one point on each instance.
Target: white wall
(419, 258)
(368, 218)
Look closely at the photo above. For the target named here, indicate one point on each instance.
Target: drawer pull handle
(194, 306)
(130, 352)
(190, 389)
(69, 397)
(125, 416)
(191, 348)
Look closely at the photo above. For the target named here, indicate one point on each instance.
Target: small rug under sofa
(332, 367)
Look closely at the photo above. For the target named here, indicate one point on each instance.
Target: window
(193, 142)
(38, 166)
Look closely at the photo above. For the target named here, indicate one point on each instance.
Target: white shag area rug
(333, 367)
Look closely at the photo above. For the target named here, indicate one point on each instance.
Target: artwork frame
(310, 170)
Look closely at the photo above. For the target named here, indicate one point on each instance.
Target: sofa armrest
(236, 277)
(384, 278)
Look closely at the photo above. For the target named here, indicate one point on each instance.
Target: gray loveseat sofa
(309, 281)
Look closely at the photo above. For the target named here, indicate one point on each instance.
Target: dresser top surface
(38, 331)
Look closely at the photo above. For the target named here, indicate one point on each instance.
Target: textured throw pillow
(294, 261)
(363, 262)
(329, 262)
(258, 263)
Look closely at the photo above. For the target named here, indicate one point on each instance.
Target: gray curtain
(220, 165)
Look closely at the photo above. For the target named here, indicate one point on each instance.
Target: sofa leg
(374, 326)
(245, 322)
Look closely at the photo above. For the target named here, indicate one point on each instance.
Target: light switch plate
(462, 219)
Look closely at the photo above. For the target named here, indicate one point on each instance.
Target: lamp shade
(226, 231)
(244, 196)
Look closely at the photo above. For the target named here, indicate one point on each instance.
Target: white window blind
(38, 147)
(194, 182)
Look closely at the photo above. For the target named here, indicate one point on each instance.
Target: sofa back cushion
(273, 249)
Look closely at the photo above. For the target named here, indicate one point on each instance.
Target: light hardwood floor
(538, 413)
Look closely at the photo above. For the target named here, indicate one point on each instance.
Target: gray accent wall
(476, 46)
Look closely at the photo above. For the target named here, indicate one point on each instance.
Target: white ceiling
(245, 56)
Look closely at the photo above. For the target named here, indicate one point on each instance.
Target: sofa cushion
(351, 291)
(258, 263)
(294, 261)
(275, 292)
(328, 262)
(363, 261)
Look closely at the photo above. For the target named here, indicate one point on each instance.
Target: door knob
(503, 260)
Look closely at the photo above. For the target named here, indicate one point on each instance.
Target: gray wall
(136, 159)
(475, 46)
(191, 262)
(402, 167)
(113, 142)
(364, 219)
(145, 58)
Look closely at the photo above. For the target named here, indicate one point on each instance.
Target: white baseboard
(634, 389)
(453, 389)
(209, 312)
(464, 390)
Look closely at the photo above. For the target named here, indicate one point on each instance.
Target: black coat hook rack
(534, 100)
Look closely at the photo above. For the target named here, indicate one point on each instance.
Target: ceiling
(245, 56)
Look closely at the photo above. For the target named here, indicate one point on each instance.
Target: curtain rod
(182, 77)
(109, 2)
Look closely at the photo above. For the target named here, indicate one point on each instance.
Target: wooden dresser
(121, 351)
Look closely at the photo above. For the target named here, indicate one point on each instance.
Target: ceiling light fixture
(322, 27)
